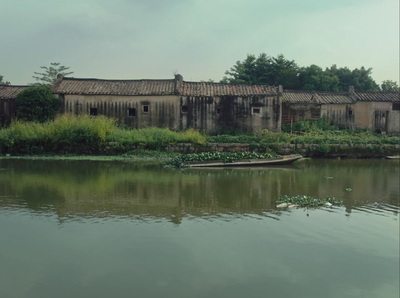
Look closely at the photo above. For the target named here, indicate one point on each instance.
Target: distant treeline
(278, 70)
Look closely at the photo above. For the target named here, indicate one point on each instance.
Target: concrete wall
(377, 116)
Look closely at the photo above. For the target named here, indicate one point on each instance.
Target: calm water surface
(115, 229)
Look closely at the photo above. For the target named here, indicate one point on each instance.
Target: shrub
(36, 104)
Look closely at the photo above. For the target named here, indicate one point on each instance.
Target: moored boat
(281, 160)
(393, 157)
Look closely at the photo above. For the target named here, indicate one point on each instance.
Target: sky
(199, 39)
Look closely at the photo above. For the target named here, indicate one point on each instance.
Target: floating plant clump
(307, 201)
(225, 157)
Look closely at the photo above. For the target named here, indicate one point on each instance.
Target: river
(122, 229)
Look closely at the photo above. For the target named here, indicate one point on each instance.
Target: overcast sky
(200, 39)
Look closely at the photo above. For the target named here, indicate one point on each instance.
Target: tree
(281, 71)
(362, 80)
(389, 86)
(284, 72)
(49, 76)
(36, 104)
(1, 80)
(314, 78)
(242, 72)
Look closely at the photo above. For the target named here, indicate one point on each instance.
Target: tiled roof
(338, 98)
(156, 87)
(378, 96)
(219, 89)
(113, 87)
(298, 96)
(295, 96)
(10, 92)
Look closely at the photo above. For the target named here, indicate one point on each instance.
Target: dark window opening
(396, 106)
(184, 109)
(93, 112)
(131, 112)
(145, 109)
(350, 112)
(256, 110)
(218, 110)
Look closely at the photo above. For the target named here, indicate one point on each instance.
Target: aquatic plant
(308, 201)
(184, 159)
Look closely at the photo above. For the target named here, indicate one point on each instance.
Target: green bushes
(309, 126)
(36, 104)
(69, 134)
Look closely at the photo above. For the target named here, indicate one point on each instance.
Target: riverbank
(83, 135)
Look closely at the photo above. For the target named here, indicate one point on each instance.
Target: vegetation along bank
(85, 135)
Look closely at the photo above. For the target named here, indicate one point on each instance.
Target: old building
(377, 111)
(8, 107)
(174, 104)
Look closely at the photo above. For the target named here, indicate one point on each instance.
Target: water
(114, 229)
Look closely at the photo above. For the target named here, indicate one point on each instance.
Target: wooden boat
(282, 160)
(393, 157)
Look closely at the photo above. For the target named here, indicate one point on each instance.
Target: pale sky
(200, 39)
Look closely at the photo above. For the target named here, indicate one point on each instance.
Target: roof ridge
(116, 80)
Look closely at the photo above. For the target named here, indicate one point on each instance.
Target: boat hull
(283, 160)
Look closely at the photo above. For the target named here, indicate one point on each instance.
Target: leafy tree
(49, 76)
(281, 71)
(242, 72)
(36, 104)
(285, 72)
(1, 80)
(314, 78)
(389, 86)
(263, 70)
(362, 80)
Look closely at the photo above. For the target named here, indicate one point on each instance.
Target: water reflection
(114, 229)
(87, 189)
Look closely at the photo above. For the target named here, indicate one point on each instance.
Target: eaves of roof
(11, 92)
(157, 87)
(378, 96)
(113, 87)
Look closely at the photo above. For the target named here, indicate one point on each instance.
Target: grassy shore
(84, 135)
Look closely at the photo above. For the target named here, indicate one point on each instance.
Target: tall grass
(85, 135)
(69, 134)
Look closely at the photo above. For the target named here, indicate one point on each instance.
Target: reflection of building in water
(88, 189)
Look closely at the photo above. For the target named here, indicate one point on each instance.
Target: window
(396, 106)
(218, 111)
(184, 109)
(131, 112)
(145, 109)
(256, 110)
(93, 112)
(350, 112)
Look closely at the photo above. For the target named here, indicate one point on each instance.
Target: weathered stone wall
(133, 111)
(341, 115)
(209, 114)
(231, 113)
(294, 112)
(8, 108)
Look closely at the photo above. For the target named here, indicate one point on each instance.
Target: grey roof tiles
(10, 92)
